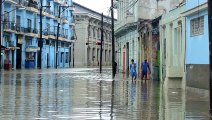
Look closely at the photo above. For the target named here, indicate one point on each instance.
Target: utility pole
(0, 29)
(210, 50)
(102, 37)
(113, 41)
(73, 54)
(58, 28)
(41, 39)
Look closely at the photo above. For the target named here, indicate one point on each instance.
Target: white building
(133, 16)
(88, 33)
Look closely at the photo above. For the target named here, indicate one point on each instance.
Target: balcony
(17, 1)
(52, 15)
(11, 1)
(128, 21)
(62, 37)
(33, 7)
(9, 27)
(52, 35)
(59, 1)
(19, 30)
(65, 19)
(47, 12)
(45, 34)
(31, 32)
(66, 38)
(31, 48)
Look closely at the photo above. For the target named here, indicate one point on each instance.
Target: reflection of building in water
(172, 104)
(132, 93)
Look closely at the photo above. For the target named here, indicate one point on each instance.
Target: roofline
(77, 4)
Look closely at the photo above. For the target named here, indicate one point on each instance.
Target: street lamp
(58, 26)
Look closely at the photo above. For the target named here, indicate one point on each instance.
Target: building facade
(88, 33)
(172, 43)
(197, 44)
(135, 32)
(21, 33)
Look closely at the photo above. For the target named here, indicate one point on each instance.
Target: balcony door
(18, 23)
(29, 25)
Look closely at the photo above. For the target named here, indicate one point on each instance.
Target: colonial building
(197, 44)
(21, 33)
(136, 32)
(172, 46)
(88, 33)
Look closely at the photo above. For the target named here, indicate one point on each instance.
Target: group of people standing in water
(145, 69)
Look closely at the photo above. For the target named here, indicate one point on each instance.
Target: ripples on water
(85, 94)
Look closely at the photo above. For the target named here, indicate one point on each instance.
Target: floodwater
(84, 94)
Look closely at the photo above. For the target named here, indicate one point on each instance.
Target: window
(176, 37)
(197, 26)
(67, 55)
(47, 27)
(93, 57)
(110, 36)
(94, 32)
(61, 57)
(66, 32)
(89, 32)
(56, 10)
(97, 57)
(105, 55)
(18, 22)
(29, 23)
(35, 17)
(28, 42)
(63, 31)
(55, 30)
(6, 16)
(109, 55)
(164, 41)
(98, 33)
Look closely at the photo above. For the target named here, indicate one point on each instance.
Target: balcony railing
(9, 25)
(18, 28)
(11, 43)
(65, 17)
(52, 33)
(47, 10)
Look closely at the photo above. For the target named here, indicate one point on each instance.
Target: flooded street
(79, 94)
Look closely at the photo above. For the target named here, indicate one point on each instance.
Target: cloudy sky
(96, 5)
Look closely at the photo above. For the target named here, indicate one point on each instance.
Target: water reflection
(85, 94)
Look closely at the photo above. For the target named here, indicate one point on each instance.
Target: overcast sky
(96, 5)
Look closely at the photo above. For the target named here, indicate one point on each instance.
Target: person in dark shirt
(144, 69)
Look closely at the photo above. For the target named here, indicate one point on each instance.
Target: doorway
(18, 54)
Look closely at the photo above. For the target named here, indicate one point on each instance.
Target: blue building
(21, 33)
(197, 44)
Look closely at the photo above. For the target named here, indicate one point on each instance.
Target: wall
(194, 3)
(130, 36)
(47, 48)
(196, 50)
(172, 46)
(197, 54)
